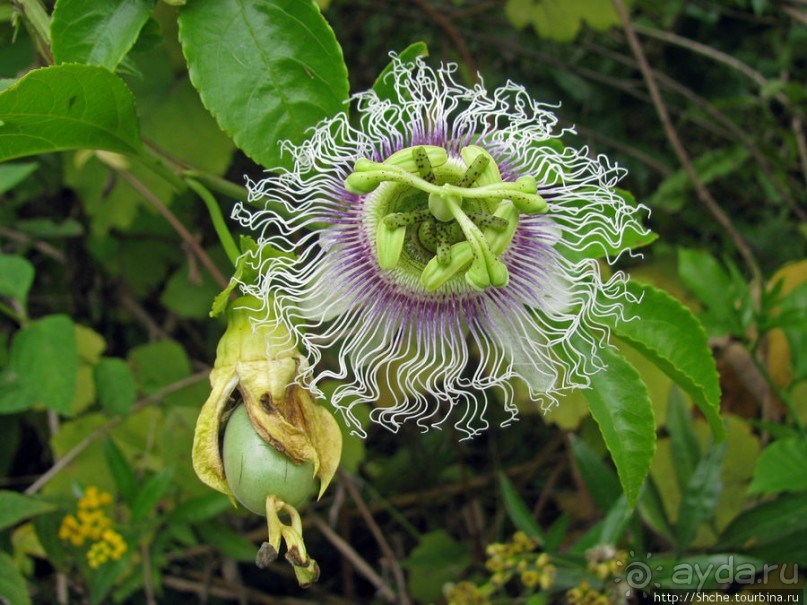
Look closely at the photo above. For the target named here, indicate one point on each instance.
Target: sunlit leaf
(668, 334)
(619, 402)
(266, 70)
(97, 33)
(67, 107)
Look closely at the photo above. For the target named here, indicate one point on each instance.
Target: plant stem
(218, 184)
(779, 391)
(225, 237)
(39, 21)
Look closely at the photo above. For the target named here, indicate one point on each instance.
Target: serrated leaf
(15, 507)
(13, 589)
(44, 360)
(267, 70)
(781, 467)
(16, 277)
(67, 107)
(518, 511)
(619, 403)
(115, 384)
(383, 85)
(97, 33)
(699, 498)
(669, 335)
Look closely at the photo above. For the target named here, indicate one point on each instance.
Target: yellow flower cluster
(584, 594)
(514, 559)
(91, 524)
(518, 558)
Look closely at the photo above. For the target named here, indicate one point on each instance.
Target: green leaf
(15, 507)
(98, 33)
(683, 442)
(601, 481)
(115, 384)
(150, 494)
(201, 508)
(227, 542)
(438, 558)
(767, 523)
(12, 584)
(615, 522)
(67, 107)
(383, 85)
(619, 403)
(667, 333)
(121, 471)
(699, 498)
(44, 361)
(781, 467)
(518, 511)
(651, 509)
(12, 175)
(267, 71)
(16, 277)
(107, 575)
(725, 295)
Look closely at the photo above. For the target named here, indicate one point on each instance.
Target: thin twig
(106, 428)
(43, 247)
(444, 23)
(678, 147)
(705, 50)
(355, 558)
(177, 226)
(355, 495)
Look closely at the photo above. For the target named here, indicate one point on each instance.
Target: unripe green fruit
(255, 470)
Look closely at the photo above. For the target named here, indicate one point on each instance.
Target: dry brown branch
(678, 147)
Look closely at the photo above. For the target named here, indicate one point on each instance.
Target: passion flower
(255, 470)
(440, 244)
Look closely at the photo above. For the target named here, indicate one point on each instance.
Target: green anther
(406, 158)
(489, 221)
(389, 244)
(436, 274)
(499, 240)
(473, 171)
(423, 164)
(443, 248)
(404, 219)
(362, 183)
(490, 174)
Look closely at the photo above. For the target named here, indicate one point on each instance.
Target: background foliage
(127, 128)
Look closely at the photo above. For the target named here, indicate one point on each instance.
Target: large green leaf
(600, 479)
(67, 107)
(267, 70)
(667, 333)
(97, 33)
(618, 401)
(781, 467)
(43, 363)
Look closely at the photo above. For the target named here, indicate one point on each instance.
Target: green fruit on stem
(254, 469)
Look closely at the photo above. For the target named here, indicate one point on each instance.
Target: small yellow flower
(91, 524)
